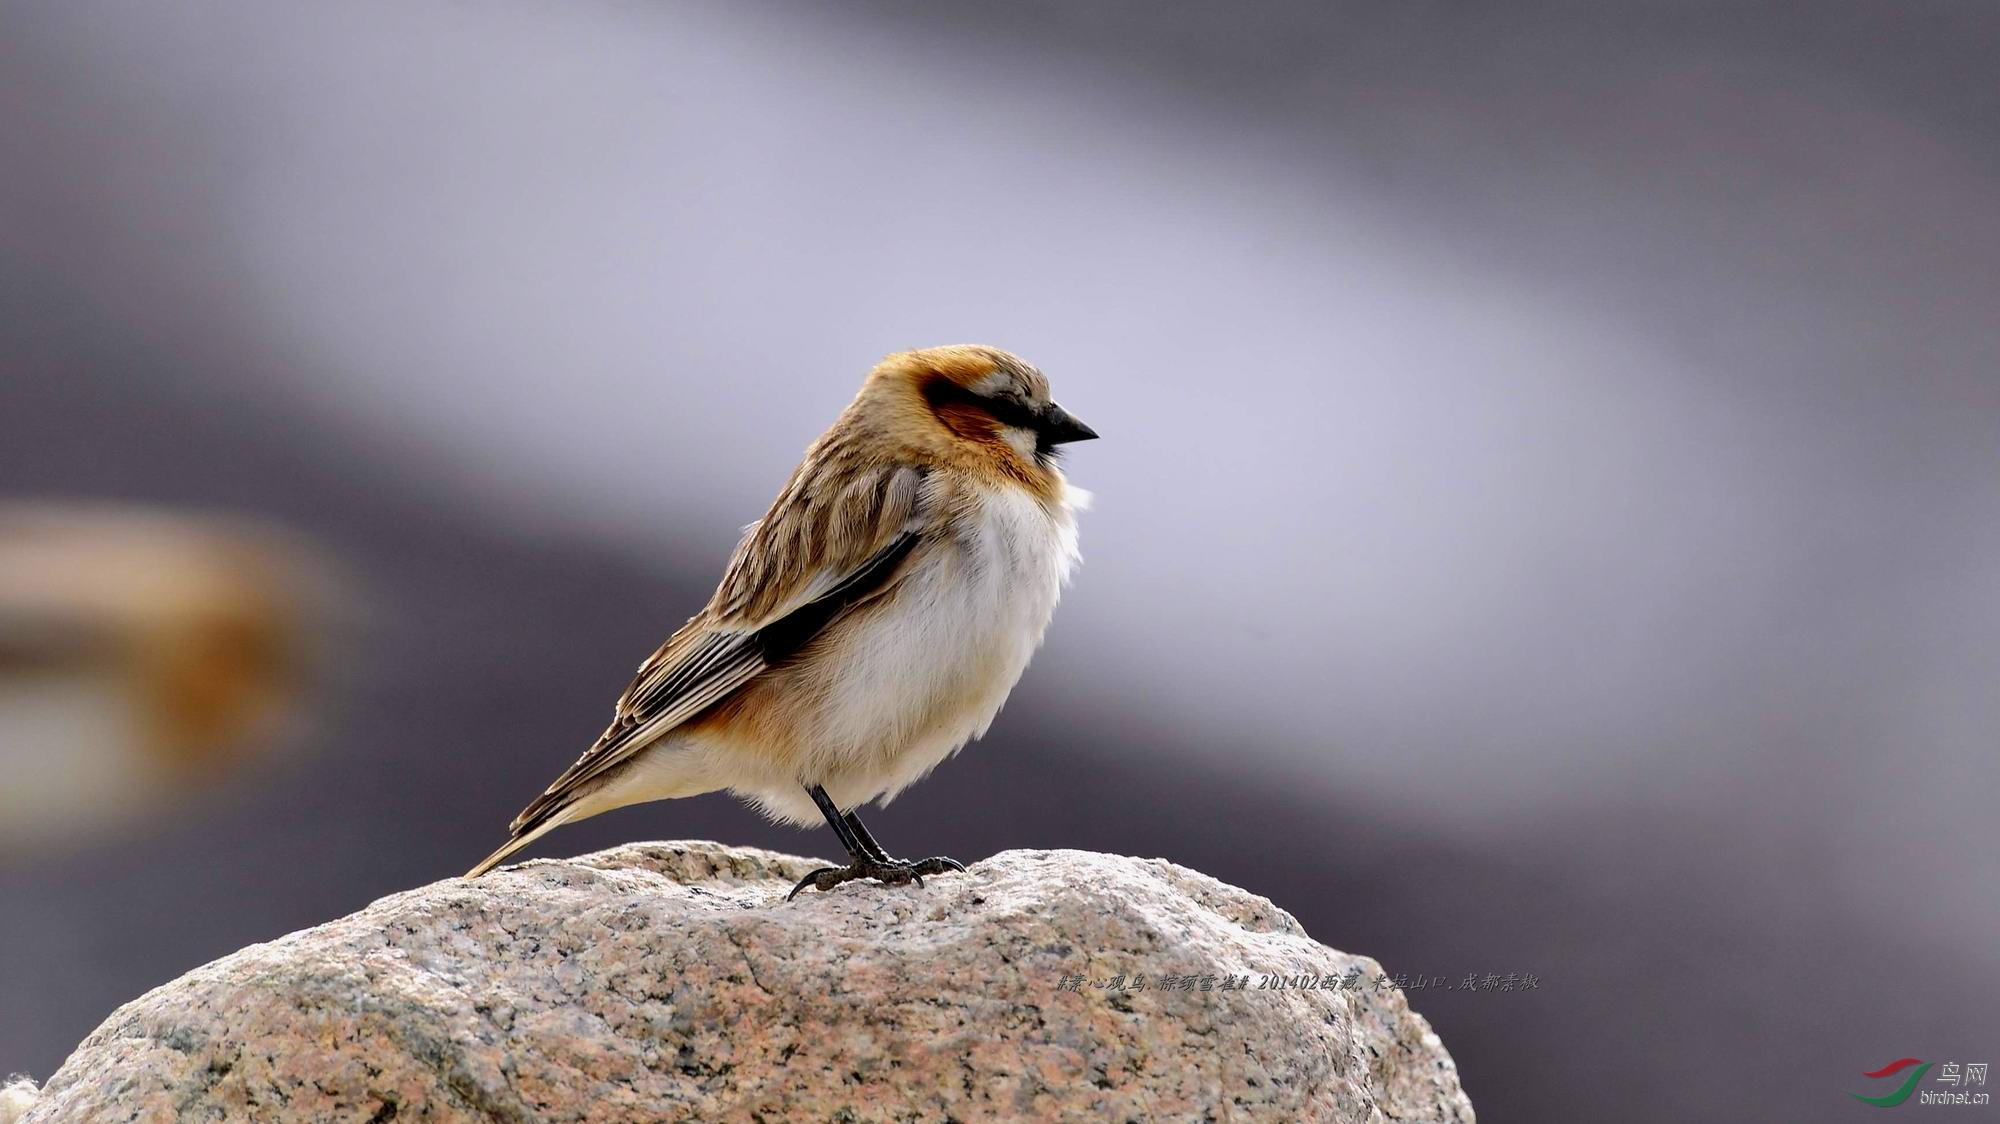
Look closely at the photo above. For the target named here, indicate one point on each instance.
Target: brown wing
(813, 556)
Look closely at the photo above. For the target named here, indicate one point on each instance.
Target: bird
(867, 627)
(144, 652)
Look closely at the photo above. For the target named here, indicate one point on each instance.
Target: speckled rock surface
(671, 981)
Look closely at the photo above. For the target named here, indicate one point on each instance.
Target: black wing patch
(727, 661)
(782, 638)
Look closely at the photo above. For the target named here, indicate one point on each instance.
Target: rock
(672, 981)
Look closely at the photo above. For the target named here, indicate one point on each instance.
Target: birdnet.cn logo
(1956, 1083)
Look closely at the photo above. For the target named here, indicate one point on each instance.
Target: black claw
(825, 878)
(889, 872)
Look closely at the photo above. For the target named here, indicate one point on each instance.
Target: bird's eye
(1008, 412)
(943, 392)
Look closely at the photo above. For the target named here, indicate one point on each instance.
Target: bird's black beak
(1057, 427)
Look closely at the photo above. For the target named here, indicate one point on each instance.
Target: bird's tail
(521, 840)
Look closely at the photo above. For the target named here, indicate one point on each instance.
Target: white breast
(930, 670)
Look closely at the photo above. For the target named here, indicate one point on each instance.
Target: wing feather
(772, 601)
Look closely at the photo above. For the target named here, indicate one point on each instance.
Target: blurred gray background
(1548, 519)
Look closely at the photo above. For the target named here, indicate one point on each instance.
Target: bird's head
(980, 396)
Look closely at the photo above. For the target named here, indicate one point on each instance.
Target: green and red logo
(1890, 1070)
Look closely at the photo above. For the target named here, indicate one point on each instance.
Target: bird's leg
(868, 845)
(936, 864)
(869, 859)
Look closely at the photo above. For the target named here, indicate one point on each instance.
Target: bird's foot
(889, 872)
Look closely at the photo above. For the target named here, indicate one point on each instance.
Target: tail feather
(519, 841)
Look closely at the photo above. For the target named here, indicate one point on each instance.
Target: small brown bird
(868, 626)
